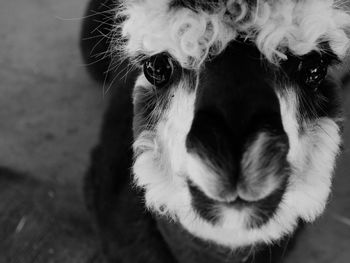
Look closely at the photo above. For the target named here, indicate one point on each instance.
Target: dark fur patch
(265, 209)
(203, 205)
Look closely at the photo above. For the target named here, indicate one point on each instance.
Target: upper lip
(239, 203)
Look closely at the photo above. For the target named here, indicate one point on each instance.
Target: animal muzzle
(228, 165)
(237, 144)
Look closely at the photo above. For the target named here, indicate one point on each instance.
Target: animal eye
(312, 71)
(159, 69)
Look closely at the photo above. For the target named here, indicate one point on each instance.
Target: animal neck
(187, 248)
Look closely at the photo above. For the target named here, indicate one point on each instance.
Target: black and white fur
(236, 150)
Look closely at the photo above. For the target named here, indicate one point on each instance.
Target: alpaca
(223, 127)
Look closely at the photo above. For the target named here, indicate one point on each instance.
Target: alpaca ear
(95, 40)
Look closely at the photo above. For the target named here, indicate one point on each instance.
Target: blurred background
(50, 115)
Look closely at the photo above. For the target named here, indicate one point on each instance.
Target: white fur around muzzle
(164, 167)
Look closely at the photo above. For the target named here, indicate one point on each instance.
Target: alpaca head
(237, 118)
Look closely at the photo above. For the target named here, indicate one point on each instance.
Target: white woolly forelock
(275, 26)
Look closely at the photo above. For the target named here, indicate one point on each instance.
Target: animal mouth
(239, 203)
(260, 211)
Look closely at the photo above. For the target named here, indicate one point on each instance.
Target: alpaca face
(236, 117)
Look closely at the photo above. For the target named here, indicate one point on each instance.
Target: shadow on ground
(43, 223)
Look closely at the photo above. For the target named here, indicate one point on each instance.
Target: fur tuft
(276, 27)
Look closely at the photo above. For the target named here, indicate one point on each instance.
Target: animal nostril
(212, 140)
(264, 165)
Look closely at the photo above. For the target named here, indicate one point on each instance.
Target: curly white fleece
(275, 27)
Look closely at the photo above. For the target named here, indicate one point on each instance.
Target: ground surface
(50, 114)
